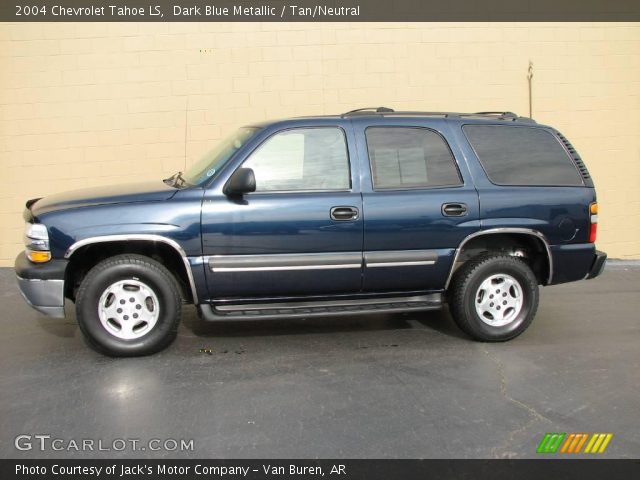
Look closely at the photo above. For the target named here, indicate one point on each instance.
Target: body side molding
(286, 261)
(400, 258)
(320, 261)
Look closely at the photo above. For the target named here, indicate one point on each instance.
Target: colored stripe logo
(574, 443)
(550, 442)
(598, 443)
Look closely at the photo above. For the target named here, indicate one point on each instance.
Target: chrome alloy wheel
(128, 309)
(499, 300)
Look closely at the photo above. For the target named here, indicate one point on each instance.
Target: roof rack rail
(367, 109)
(498, 114)
(384, 111)
(428, 114)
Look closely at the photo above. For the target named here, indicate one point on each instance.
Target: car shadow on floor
(438, 321)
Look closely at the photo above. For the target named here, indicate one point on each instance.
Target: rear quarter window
(522, 156)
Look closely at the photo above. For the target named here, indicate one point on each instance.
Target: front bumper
(598, 264)
(42, 285)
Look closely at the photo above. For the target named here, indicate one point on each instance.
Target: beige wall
(94, 104)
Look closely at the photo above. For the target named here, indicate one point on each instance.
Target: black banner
(313, 469)
(318, 10)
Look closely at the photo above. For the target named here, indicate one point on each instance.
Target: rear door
(301, 232)
(419, 203)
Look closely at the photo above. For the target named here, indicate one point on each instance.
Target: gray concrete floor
(376, 387)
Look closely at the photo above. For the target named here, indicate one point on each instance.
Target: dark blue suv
(370, 211)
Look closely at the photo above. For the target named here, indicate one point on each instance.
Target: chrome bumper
(42, 285)
(46, 296)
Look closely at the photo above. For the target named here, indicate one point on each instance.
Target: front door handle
(454, 209)
(344, 214)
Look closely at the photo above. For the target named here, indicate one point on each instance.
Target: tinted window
(409, 158)
(302, 159)
(522, 156)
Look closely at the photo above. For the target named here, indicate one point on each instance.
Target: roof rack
(390, 111)
(369, 109)
(498, 114)
(384, 111)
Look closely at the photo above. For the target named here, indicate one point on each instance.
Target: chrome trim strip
(400, 264)
(292, 267)
(490, 231)
(284, 261)
(400, 258)
(319, 261)
(140, 237)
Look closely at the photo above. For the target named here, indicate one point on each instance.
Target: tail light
(593, 218)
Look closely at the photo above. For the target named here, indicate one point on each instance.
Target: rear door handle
(454, 209)
(344, 214)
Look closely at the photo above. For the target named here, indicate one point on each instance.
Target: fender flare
(140, 238)
(493, 231)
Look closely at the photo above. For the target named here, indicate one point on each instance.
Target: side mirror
(242, 181)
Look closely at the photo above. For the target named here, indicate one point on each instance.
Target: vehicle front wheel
(494, 298)
(128, 305)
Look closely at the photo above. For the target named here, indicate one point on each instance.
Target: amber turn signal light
(38, 256)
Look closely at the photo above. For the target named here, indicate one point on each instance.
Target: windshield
(213, 161)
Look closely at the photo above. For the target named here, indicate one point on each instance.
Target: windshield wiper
(176, 180)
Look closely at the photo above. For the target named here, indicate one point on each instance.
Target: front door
(299, 233)
(418, 205)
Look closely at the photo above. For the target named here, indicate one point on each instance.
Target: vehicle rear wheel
(128, 305)
(494, 298)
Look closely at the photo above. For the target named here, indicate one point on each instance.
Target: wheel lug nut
(498, 307)
(504, 294)
(132, 299)
(122, 302)
(490, 296)
(138, 306)
(119, 310)
(135, 315)
(491, 304)
(504, 303)
(126, 317)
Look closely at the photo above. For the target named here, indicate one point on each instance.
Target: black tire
(466, 290)
(137, 268)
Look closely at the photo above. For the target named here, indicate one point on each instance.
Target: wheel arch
(146, 244)
(506, 236)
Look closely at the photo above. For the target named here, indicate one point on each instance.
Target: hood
(155, 191)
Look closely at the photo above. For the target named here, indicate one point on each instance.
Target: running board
(269, 311)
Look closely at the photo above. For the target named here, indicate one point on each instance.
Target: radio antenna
(530, 79)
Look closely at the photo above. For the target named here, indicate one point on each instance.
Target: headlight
(36, 239)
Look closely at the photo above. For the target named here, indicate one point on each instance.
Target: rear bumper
(598, 265)
(42, 285)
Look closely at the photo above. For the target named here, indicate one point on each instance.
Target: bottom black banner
(313, 469)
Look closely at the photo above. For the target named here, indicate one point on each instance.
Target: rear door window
(410, 157)
(522, 156)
